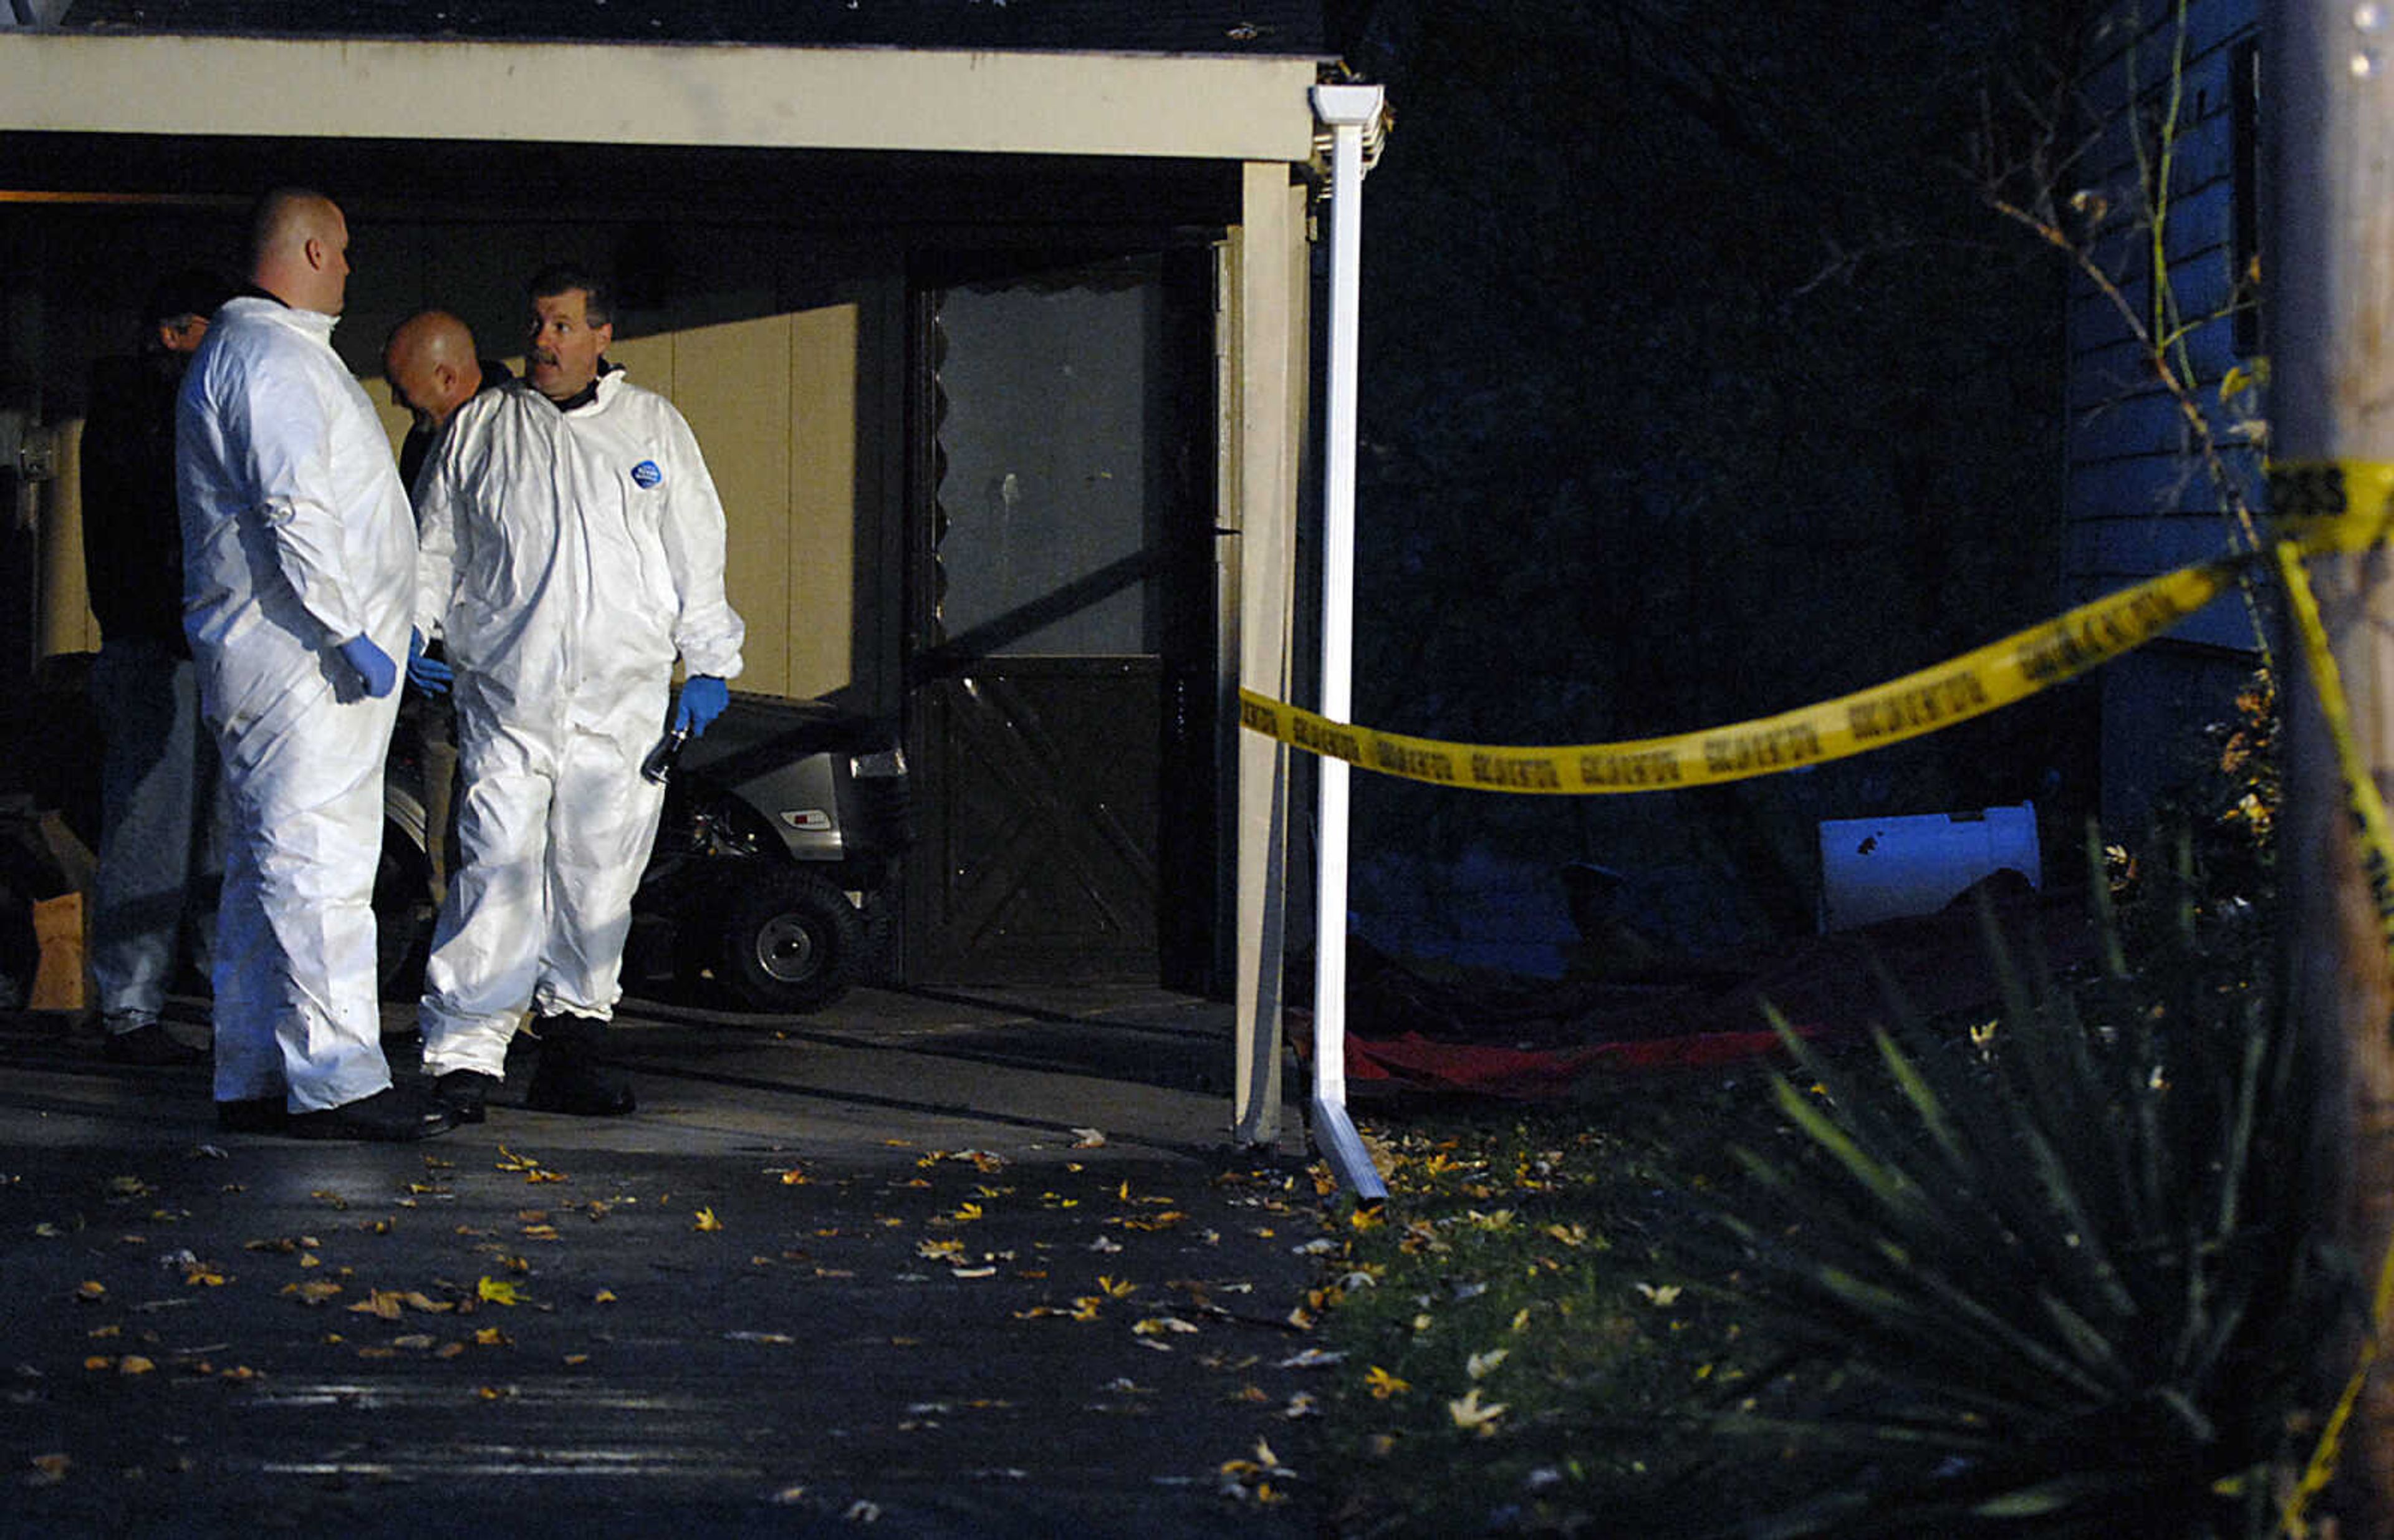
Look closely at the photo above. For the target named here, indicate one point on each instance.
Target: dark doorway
(1061, 652)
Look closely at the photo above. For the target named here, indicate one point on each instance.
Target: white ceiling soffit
(1205, 107)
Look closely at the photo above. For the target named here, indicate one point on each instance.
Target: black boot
(467, 1093)
(394, 1114)
(568, 1076)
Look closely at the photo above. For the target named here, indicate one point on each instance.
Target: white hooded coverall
(296, 537)
(567, 557)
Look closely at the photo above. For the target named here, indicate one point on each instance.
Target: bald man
(298, 558)
(433, 370)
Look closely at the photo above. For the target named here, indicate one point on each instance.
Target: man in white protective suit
(298, 561)
(570, 550)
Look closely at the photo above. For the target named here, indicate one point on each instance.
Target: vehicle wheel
(791, 941)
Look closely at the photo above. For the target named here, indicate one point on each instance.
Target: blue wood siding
(2139, 501)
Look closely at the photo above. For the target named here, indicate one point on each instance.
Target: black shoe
(570, 1079)
(467, 1093)
(394, 1114)
(257, 1114)
(149, 1044)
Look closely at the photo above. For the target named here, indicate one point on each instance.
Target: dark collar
(590, 392)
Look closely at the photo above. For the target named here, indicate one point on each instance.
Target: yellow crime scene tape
(2317, 508)
(2345, 507)
(1987, 679)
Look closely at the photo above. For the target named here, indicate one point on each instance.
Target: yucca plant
(2051, 1270)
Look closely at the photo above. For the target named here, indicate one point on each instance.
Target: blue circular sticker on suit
(647, 474)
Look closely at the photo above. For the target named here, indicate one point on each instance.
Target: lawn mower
(772, 875)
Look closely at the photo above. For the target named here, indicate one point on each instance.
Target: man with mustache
(572, 549)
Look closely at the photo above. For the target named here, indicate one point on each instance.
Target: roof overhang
(1183, 106)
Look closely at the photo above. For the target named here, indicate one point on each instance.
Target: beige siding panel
(396, 420)
(654, 362)
(822, 538)
(733, 382)
(67, 622)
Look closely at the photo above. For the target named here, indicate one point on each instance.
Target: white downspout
(1347, 111)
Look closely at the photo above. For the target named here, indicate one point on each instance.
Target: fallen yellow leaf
(1468, 1412)
(1156, 1325)
(1383, 1384)
(497, 1293)
(706, 1220)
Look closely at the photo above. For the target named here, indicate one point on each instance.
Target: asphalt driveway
(927, 1266)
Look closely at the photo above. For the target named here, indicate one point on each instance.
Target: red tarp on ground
(1507, 1036)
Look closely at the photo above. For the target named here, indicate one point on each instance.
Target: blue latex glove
(428, 675)
(374, 664)
(703, 699)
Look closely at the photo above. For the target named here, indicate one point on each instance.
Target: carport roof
(340, 70)
(1103, 26)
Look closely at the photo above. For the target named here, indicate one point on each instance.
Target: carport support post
(2328, 112)
(1347, 111)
